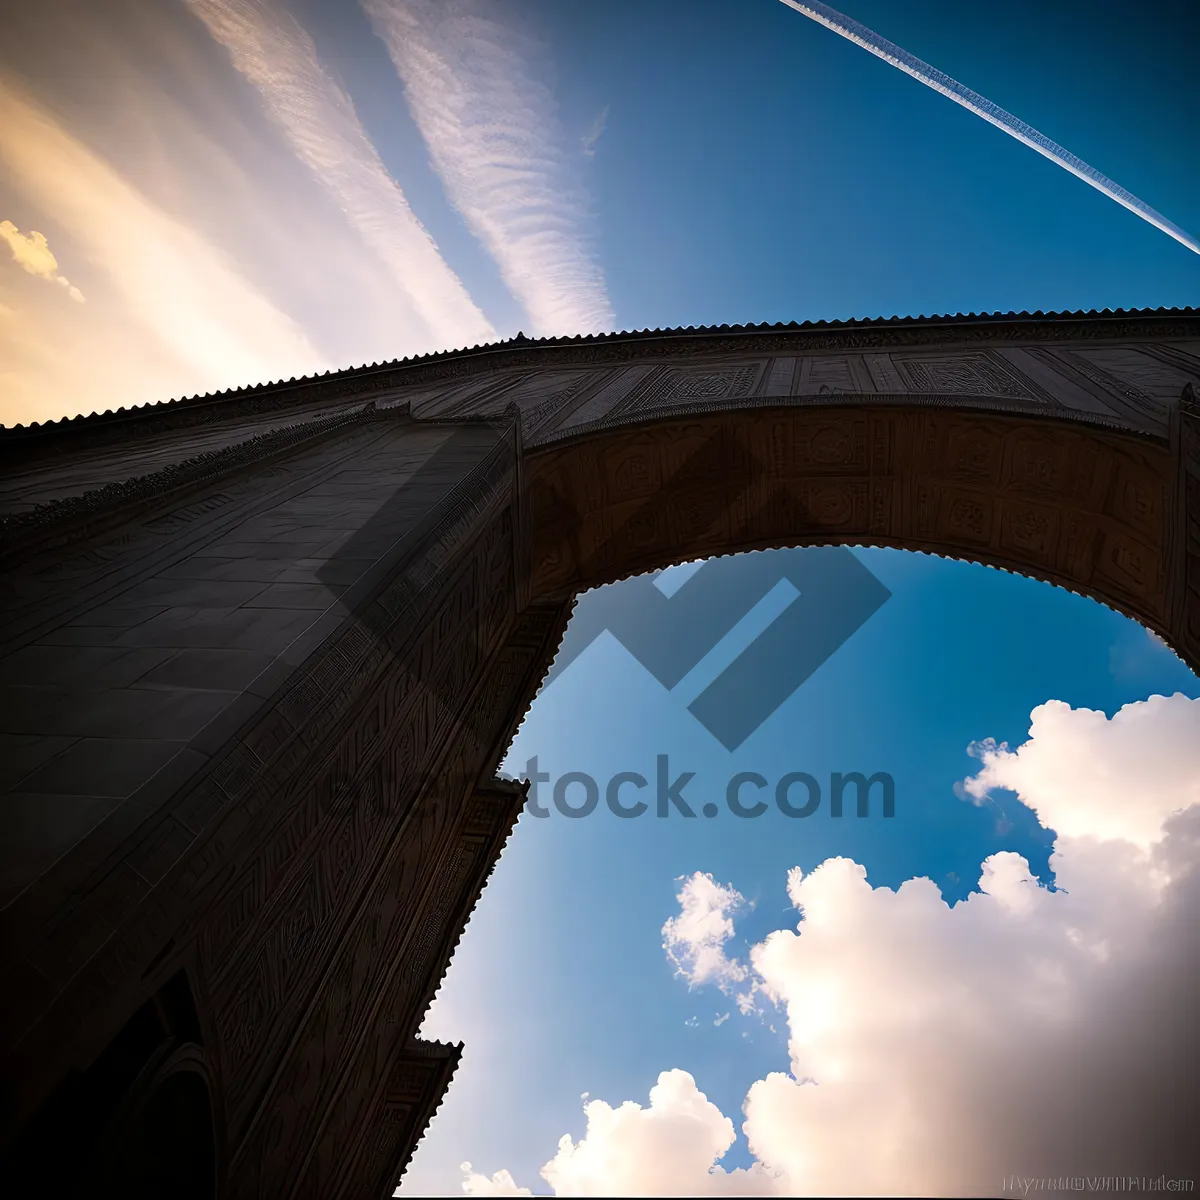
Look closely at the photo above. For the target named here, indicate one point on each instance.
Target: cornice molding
(615, 348)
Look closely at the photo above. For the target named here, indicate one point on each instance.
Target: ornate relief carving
(408, 945)
(486, 396)
(542, 414)
(829, 376)
(967, 519)
(542, 387)
(1038, 465)
(597, 406)
(1110, 384)
(692, 385)
(777, 379)
(1029, 530)
(445, 676)
(611, 349)
(987, 488)
(990, 404)
(1185, 361)
(823, 444)
(1135, 373)
(883, 373)
(415, 1089)
(972, 455)
(978, 374)
(1186, 582)
(313, 915)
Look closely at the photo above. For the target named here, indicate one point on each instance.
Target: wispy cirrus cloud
(495, 140)
(272, 50)
(595, 133)
(32, 253)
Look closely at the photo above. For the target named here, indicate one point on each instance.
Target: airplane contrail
(860, 35)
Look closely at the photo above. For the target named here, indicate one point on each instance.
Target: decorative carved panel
(1139, 375)
(687, 385)
(778, 378)
(598, 405)
(978, 374)
(828, 376)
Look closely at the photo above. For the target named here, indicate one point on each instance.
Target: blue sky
(754, 166)
(238, 191)
(697, 163)
(796, 177)
(560, 985)
(766, 166)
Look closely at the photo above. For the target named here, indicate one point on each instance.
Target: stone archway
(1086, 508)
(263, 652)
(161, 1140)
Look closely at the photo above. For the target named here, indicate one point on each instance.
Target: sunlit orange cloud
(212, 252)
(32, 253)
(180, 291)
(58, 358)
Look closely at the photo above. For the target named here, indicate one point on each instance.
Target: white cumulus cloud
(666, 1149)
(695, 939)
(499, 1184)
(594, 134)
(496, 141)
(1086, 775)
(937, 1050)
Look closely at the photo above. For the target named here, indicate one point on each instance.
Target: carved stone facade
(262, 654)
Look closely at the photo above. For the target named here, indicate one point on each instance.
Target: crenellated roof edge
(358, 380)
